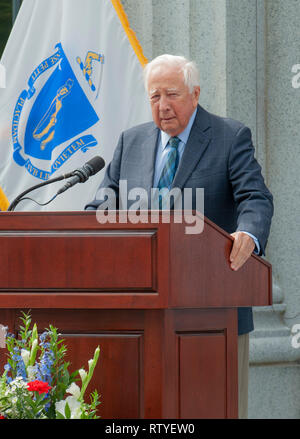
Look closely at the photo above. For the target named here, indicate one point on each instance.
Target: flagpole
(16, 4)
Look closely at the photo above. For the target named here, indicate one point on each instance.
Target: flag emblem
(87, 67)
(61, 111)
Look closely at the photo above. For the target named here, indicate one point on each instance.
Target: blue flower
(38, 375)
(21, 369)
(45, 366)
(43, 337)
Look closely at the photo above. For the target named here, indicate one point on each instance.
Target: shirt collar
(183, 136)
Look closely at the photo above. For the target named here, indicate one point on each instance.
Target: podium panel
(154, 364)
(160, 303)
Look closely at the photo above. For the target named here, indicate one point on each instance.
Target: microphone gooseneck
(78, 176)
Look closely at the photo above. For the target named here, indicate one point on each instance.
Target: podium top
(155, 260)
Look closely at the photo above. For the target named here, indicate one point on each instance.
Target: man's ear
(196, 94)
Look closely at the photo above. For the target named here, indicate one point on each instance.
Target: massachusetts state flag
(73, 83)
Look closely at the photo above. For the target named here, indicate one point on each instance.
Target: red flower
(2, 417)
(38, 386)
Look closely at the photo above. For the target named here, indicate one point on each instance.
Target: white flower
(83, 374)
(18, 382)
(74, 405)
(33, 352)
(31, 373)
(74, 390)
(60, 407)
(25, 356)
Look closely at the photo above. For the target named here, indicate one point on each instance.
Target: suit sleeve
(253, 199)
(111, 178)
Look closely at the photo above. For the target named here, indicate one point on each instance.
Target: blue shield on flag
(60, 112)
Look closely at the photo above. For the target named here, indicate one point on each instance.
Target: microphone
(79, 175)
(83, 174)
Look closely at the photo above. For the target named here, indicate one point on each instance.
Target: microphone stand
(14, 203)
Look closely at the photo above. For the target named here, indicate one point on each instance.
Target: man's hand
(242, 249)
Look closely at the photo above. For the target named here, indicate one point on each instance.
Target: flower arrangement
(36, 380)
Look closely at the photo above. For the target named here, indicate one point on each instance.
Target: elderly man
(187, 147)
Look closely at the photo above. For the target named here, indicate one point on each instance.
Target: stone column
(275, 360)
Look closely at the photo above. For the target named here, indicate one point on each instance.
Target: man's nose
(164, 104)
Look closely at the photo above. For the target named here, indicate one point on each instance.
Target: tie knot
(174, 142)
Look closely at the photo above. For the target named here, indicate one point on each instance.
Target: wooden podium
(161, 304)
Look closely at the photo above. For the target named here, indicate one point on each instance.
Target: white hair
(188, 68)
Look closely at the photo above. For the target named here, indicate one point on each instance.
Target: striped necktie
(169, 170)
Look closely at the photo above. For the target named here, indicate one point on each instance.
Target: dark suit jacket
(219, 157)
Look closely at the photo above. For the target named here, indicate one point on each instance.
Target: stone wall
(245, 50)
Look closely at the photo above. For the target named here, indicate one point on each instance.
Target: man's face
(171, 102)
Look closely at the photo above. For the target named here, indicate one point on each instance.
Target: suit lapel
(197, 143)
(149, 147)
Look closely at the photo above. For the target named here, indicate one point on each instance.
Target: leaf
(74, 376)
(30, 402)
(65, 377)
(67, 411)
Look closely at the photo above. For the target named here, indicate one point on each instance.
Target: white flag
(73, 83)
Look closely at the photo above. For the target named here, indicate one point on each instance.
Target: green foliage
(36, 379)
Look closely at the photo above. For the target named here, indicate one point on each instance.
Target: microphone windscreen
(96, 163)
